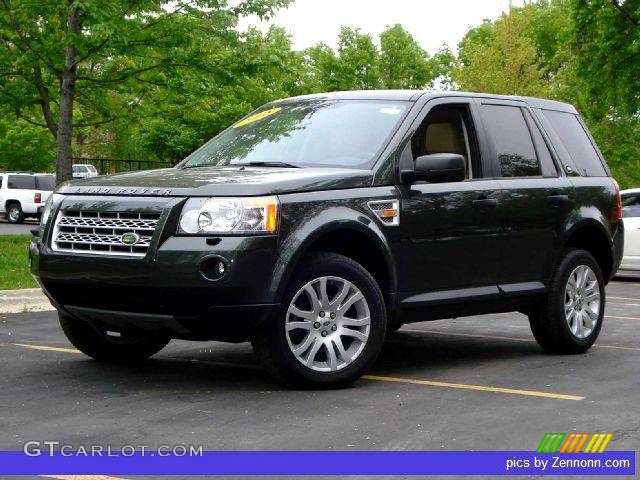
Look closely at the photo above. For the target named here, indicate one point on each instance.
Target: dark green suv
(318, 224)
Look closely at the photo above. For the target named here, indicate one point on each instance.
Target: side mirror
(436, 168)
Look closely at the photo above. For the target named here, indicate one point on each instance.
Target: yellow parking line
(47, 349)
(497, 337)
(530, 393)
(479, 388)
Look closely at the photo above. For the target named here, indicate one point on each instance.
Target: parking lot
(477, 383)
(7, 228)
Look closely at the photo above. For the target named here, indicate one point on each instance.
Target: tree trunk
(67, 87)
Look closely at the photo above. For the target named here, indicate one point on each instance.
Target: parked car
(318, 224)
(631, 220)
(24, 194)
(82, 170)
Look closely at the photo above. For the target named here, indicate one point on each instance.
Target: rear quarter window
(575, 140)
(26, 182)
(46, 182)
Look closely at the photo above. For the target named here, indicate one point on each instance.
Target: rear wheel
(110, 346)
(331, 327)
(15, 213)
(571, 317)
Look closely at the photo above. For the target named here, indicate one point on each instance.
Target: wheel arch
(593, 237)
(9, 201)
(365, 244)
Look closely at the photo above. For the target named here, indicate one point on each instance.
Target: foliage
(25, 147)
(403, 64)
(14, 263)
(102, 57)
(580, 51)
(156, 79)
(500, 58)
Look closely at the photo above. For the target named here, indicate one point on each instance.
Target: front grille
(102, 233)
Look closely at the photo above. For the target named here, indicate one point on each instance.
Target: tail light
(617, 209)
(37, 198)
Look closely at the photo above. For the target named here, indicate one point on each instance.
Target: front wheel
(331, 327)
(571, 317)
(108, 346)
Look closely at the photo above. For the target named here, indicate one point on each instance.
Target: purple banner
(317, 463)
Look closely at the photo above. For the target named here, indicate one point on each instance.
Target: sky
(431, 22)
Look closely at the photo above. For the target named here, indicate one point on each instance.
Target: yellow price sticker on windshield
(257, 116)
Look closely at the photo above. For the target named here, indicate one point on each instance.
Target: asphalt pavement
(7, 228)
(478, 383)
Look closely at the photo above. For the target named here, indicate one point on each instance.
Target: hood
(219, 181)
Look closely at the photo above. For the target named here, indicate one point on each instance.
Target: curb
(24, 301)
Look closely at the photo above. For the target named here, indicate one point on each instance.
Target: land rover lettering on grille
(119, 191)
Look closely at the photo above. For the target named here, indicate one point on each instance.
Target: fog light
(213, 268)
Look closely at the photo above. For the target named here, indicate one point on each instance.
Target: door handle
(557, 199)
(485, 202)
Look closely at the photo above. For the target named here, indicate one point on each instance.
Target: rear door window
(547, 163)
(511, 139)
(26, 182)
(576, 142)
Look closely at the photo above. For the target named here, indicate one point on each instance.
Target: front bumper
(165, 289)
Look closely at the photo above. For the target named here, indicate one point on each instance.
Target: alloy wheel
(327, 324)
(582, 301)
(14, 214)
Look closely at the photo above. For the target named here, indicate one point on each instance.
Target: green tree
(606, 38)
(403, 64)
(56, 55)
(499, 57)
(25, 147)
(175, 121)
(353, 67)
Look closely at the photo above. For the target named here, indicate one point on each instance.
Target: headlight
(229, 215)
(48, 207)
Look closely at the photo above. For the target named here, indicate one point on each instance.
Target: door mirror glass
(437, 168)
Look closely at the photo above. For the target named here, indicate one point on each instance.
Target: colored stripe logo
(574, 442)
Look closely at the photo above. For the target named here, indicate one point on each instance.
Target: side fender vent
(387, 211)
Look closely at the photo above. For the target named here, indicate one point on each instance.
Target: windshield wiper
(268, 164)
(246, 164)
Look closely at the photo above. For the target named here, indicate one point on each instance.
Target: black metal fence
(114, 165)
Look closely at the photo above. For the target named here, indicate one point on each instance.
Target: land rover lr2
(317, 225)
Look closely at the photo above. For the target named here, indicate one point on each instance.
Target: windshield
(312, 133)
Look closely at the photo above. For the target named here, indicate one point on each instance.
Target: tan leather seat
(447, 137)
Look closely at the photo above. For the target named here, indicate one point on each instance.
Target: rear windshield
(27, 182)
(577, 143)
(312, 133)
(46, 182)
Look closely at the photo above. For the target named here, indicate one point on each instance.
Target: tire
(129, 348)
(352, 296)
(552, 328)
(15, 213)
(393, 328)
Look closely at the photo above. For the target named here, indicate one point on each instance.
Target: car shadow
(429, 353)
(235, 368)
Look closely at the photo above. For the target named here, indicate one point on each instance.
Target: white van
(24, 194)
(84, 170)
